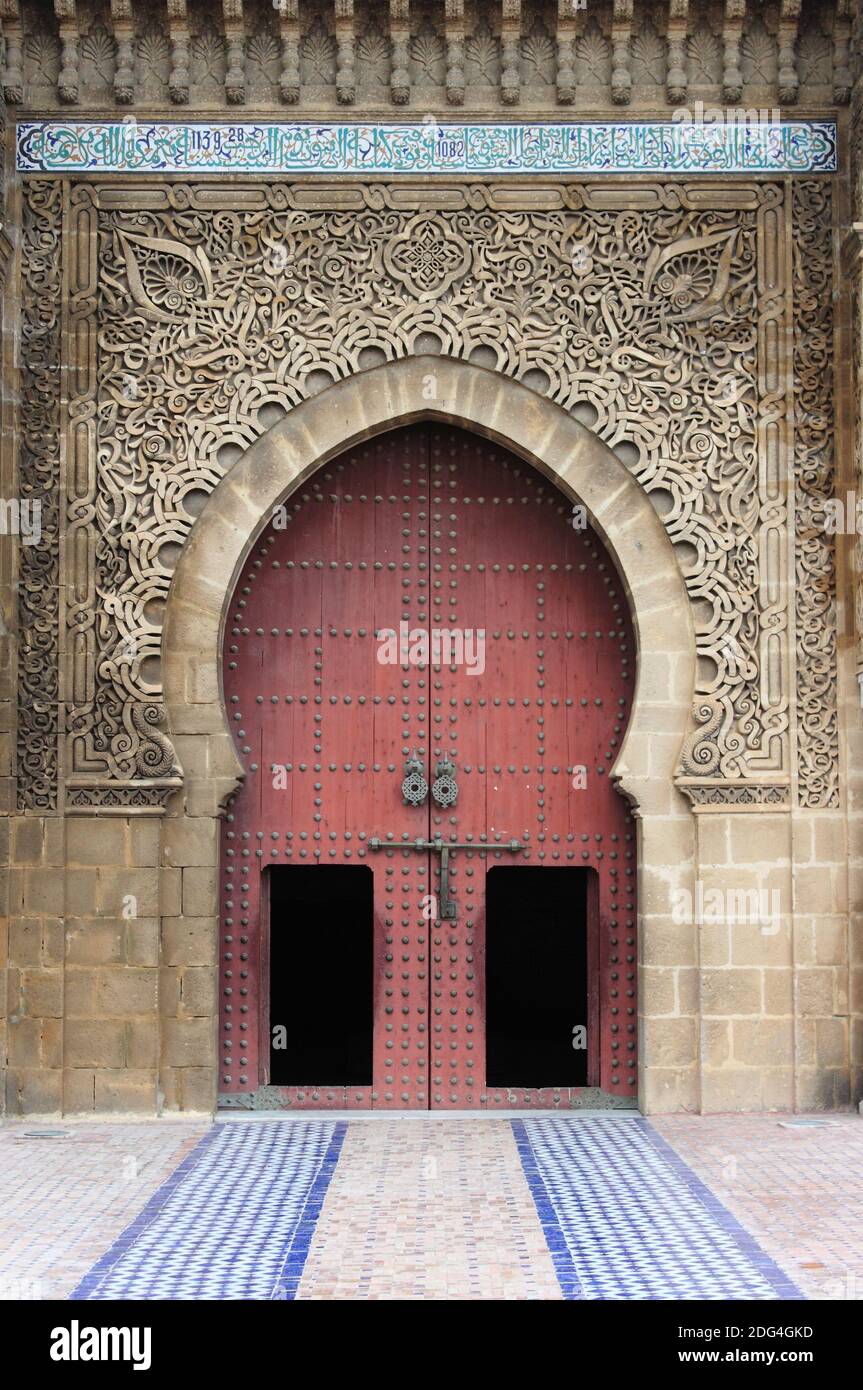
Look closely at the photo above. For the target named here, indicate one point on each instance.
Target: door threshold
(274, 1100)
(584, 1113)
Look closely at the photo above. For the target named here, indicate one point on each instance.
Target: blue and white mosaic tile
(234, 1221)
(657, 147)
(625, 1218)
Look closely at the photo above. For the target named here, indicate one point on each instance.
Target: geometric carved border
(120, 735)
(743, 723)
(817, 680)
(39, 483)
(654, 312)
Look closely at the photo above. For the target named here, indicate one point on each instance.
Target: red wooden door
(427, 597)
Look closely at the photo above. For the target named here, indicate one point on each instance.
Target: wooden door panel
(427, 528)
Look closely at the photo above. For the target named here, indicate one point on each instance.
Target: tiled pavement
(234, 1221)
(63, 1200)
(544, 1207)
(429, 1209)
(625, 1218)
(795, 1180)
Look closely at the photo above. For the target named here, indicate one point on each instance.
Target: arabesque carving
(652, 313)
(39, 485)
(211, 325)
(815, 591)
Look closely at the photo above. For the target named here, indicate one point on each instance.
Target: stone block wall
(108, 921)
(110, 1001)
(111, 979)
(110, 983)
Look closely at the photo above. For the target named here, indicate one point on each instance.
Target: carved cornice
(788, 80)
(350, 53)
(400, 82)
(68, 83)
(621, 38)
(289, 30)
(510, 36)
(235, 36)
(124, 33)
(842, 32)
(178, 28)
(678, 34)
(13, 76)
(346, 83)
(729, 795)
(455, 34)
(732, 33)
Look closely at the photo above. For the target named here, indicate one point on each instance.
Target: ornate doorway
(428, 666)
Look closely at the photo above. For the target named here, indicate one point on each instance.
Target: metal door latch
(443, 847)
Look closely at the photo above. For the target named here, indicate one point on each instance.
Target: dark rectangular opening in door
(538, 1023)
(321, 975)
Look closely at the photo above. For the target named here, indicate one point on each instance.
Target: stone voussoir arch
(370, 403)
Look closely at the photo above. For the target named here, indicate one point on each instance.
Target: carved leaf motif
(263, 59)
(483, 54)
(693, 286)
(593, 56)
(167, 284)
(538, 54)
(318, 51)
(42, 55)
(758, 55)
(814, 58)
(98, 48)
(705, 57)
(154, 57)
(373, 55)
(648, 56)
(427, 52)
(208, 62)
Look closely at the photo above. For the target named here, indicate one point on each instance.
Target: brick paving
(798, 1189)
(430, 1208)
(63, 1201)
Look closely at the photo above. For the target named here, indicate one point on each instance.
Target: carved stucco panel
(39, 713)
(660, 324)
(815, 476)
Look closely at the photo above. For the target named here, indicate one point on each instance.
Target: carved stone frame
(369, 403)
(143, 750)
(582, 466)
(803, 621)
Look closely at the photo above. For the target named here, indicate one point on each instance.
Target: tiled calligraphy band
(659, 147)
